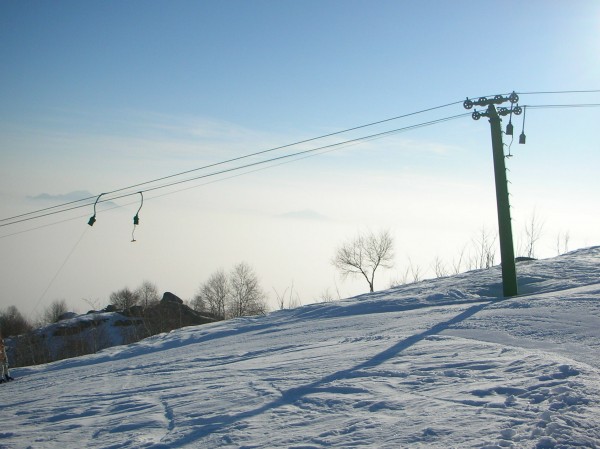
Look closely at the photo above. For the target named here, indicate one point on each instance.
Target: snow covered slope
(438, 364)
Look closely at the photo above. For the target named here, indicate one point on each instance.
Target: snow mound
(445, 363)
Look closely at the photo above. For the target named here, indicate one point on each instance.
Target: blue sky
(101, 95)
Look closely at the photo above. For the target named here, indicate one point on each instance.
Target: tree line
(223, 295)
(231, 294)
(237, 292)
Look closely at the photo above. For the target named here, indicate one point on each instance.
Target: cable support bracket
(513, 98)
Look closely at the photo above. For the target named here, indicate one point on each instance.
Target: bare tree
(400, 279)
(363, 255)
(124, 299)
(337, 290)
(246, 297)
(198, 303)
(293, 298)
(457, 263)
(533, 232)
(412, 273)
(213, 294)
(13, 323)
(54, 311)
(562, 243)
(484, 251)
(439, 267)
(147, 294)
(415, 271)
(280, 298)
(294, 301)
(326, 296)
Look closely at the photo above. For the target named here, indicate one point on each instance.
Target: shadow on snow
(206, 426)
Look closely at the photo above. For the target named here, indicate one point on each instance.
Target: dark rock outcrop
(170, 313)
(94, 331)
(170, 297)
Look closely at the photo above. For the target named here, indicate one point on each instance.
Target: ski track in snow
(438, 364)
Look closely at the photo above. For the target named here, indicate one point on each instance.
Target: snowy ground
(438, 364)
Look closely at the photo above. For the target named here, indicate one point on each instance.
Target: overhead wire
(60, 268)
(334, 147)
(282, 147)
(329, 147)
(241, 157)
(364, 138)
(312, 150)
(62, 207)
(117, 206)
(558, 106)
(591, 91)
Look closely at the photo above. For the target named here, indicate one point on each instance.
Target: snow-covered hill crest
(443, 363)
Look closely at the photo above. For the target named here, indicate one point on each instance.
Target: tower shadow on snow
(206, 426)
